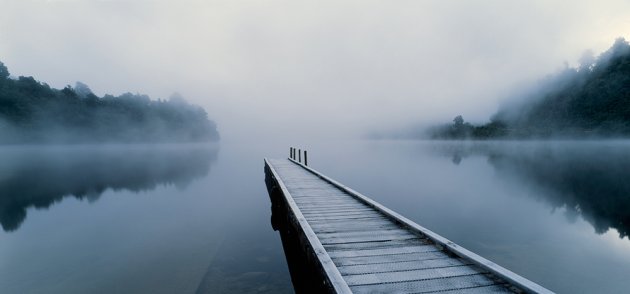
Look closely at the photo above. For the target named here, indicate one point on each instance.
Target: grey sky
(316, 68)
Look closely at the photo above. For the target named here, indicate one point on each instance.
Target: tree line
(33, 112)
(591, 100)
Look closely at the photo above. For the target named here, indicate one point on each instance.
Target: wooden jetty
(340, 241)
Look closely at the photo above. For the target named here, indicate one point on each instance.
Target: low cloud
(313, 68)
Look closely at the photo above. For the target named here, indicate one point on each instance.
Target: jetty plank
(363, 247)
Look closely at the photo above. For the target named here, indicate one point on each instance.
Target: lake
(196, 218)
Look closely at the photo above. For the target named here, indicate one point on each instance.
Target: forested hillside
(33, 112)
(592, 100)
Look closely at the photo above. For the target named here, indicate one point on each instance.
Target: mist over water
(193, 218)
(136, 219)
(311, 69)
(552, 211)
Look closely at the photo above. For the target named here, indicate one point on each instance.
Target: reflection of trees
(39, 177)
(586, 179)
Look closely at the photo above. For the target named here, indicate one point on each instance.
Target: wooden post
(290, 151)
(299, 155)
(305, 158)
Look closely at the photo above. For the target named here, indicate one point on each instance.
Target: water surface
(136, 219)
(557, 213)
(196, 218)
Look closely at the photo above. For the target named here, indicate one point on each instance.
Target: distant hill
(592, 100)
(33, 112)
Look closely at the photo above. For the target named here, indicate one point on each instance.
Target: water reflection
(41, 176)
(587, 179)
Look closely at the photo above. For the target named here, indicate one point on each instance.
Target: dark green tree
(4, 72)
(592, 100)
(459, 121)
(32, 112)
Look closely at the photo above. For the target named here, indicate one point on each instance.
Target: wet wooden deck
(363, 247)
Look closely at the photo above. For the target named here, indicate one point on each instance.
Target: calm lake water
(196, 218)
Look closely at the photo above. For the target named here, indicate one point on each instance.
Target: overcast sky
(308, 68)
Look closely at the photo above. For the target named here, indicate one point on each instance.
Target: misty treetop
(33, 112)
(592, 100)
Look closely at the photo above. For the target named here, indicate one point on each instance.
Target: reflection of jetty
(339, 241)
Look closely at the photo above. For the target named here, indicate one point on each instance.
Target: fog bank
(315, 69)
